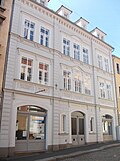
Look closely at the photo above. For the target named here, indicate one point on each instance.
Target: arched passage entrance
(107, 127)
(77, 129)
(30, 129)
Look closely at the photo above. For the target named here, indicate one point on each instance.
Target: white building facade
(59, 90)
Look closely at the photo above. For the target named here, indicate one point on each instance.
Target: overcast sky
(104, 14)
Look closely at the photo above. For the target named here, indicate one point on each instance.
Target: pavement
(65, 153)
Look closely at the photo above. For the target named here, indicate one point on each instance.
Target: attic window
(66, 15)
(98, 35)
(42, 2)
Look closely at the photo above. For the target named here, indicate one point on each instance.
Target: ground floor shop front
(33, 124)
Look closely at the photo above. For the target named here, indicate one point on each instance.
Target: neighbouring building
(5, 15)
(59, 89)
(116, 67)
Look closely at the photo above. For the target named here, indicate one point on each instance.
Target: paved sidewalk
(66, 153)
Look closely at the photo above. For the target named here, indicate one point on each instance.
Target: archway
(30, 128)
(107, 127)
(77, 129)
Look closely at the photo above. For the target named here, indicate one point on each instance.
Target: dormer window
(42, 2)
(98, 35)
(66, 15)
(63, 11)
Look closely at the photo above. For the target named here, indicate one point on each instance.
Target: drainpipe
(94, 88)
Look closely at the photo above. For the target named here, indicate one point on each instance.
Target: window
(67, 80)
(108, 86)
(65, 15)
(77, 85)
(76, 51)
(63, 123)
(43, 73)
(66, 47)
(1, 2)
(102, 89)
(29, 28)
(85, 56)
(44, 37)
(106, 65)
(118, 68)
(26, 69)
(100, 65)
(91, 124)
(87, 84)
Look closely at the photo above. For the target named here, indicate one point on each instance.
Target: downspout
(94, 85)
(6, 58)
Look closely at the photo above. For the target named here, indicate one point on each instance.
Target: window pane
(21, 127)
(81, 126)
(74, 126)
(24, 61)
(37, 127)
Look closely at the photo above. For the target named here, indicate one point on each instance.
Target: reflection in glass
(21, 127)
(37, 127)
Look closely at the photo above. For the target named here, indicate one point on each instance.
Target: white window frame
(108, 91)
(100, 63)
(87, 84)
(44, 36)
(85, 56)
(67, 80)
(102, 93)
(106, 64)
(28, 29)
(63, 123)
(44, 72)
(2, 3)
(76, 50)
(26, 67)
(66, 47)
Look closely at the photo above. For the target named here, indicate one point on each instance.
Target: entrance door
(77, 122)
(30, 129)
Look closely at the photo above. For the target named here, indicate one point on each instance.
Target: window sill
(63, 133)
(2, 9)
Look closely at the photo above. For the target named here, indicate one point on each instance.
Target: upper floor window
(100, 65)
(67, 80)
(118, 68)
(29, 28)
(108, 86)
(85, 56)
(87, 84)
(26, 69)
(76, 51)
(44, 36)
(106, 65)
(66, 47)
(43, 73)
(78, 85)
(102, 89)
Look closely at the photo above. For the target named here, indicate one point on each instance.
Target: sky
(104, 14)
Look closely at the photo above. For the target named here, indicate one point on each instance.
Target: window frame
(44, 36)
(66, 47)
